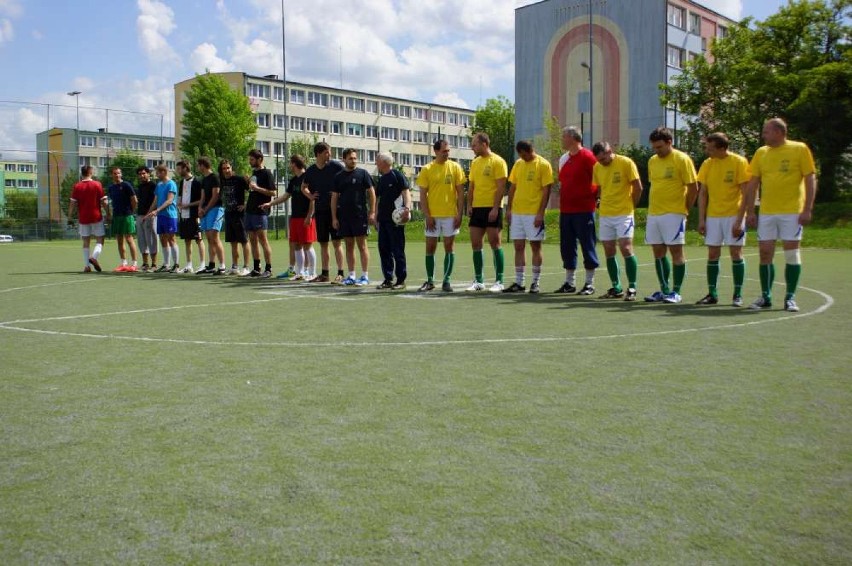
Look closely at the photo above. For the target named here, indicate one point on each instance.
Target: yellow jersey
(484, 173)
(722, 179)
(782, 171)
(440, 180)
(669, 177)
(616, 185)
(530, 179)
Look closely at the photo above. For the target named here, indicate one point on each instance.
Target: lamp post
(588, 68)
(76, 94)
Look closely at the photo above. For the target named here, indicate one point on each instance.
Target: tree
(65, 187)
(497, 119)
(129, 161)
(218, 122)
(21, 205)
(796, 65)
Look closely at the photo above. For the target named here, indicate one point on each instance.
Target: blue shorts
(256, 222)
(213, 219)
(167, 225)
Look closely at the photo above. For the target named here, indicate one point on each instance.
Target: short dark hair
(718, 139)
(779, 124)
(439, 143)
(482, 137)
(204, 161)
(298, 161)
(523, 145)
(257, 154)
(113, 168)
(321, 147)
(86, 170)
(347, 151)
(142, 168)
(661, 134)
(222, 165)
(182, 163)
(600, 147)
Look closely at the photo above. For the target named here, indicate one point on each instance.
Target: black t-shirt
(352, 189)
(233, 192)
(146, 193)
(265, 180)
(391, 185)
(209, 183)
(321, 181)
(299, 203)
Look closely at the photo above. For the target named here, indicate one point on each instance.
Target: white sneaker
(476, 286)
(187, 269)
(234, 271)
(497, 287)
(244, 272)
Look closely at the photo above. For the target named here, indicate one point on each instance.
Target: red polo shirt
(576, 192)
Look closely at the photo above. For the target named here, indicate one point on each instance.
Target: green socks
(430, 268)
(679, 276)
(663, 266)
(767, 277)
(449, 261)
(478, 262)
(791, 276)
(631, 265)
(713, 277)
(738, 270)
(499, 261)
(612, 269)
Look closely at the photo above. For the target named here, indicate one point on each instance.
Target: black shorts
(235, 229)
(325, 230)
(188, 229)
(479, 218)
(352, 225)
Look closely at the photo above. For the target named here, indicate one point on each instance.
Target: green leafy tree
(797, 64)
(497, 119)
(640, 154)
(65, 188)
(218, 122)
(21, 205)
(129, 161)
(300, 145)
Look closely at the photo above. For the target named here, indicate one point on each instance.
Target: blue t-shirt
(120, 195)
(163, 190)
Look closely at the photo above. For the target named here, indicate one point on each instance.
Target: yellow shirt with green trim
(669, 177)
(530, 179)
(616, 188)
(782, 171)
(441, 180)
(722, 179)
(484, 172)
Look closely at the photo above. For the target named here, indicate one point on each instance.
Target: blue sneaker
(672, 298)
(657, 297)
(286, 275)
(362, 281)
(349, 281)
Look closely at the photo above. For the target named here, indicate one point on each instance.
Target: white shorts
(616, 227)
(784, 227)
(443, 227)
(668, 229)
(523, 227)
(718, 231)
(95, 229)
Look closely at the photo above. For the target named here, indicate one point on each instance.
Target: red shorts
(301, 234)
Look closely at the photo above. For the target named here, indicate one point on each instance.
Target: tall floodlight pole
(591, 84)
(286, 117)
(76, 94)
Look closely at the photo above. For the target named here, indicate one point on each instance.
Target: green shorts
(124, 225)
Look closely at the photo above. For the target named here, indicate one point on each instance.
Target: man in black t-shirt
(353, 209)
(318, 184)
(234, 189)
(146, 233)
(261, 191)
(392, 193)
(211, 214)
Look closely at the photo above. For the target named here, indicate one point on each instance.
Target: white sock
(519, 275)
(352, 274)
(86, 257)
(300, 262)
(590, 277)
(175, 254)
(364, 275)
(97, 252)
(569, 277)
(536, 272)
(167, 256)
(124, 261)
(135, 263)
(311, 261)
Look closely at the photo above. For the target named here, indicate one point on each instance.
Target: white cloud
(450, 99)
(11, 8)
(204, 58)
(154, 24)
(7, 32)
(730, 8)
(258, 57)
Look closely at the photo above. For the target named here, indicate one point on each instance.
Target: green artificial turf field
(159, 419)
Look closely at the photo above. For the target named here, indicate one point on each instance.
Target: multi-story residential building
(60, 150)
(16, 175)
(342, 118)
(600, 63)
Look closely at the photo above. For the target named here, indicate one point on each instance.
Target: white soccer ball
(400, 216)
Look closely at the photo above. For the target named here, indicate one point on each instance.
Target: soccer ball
(400, 216)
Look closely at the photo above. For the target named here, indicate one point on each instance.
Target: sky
(127, 54)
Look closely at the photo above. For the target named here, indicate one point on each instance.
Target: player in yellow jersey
(442, 201)
(620, 190)
(488, 174)
(722, 181)
(530, 182)
(785, 172)
(673, 191)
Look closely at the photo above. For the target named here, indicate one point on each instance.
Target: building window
(336, 128)
(722, 31)
(104, 142)
(354, 129)
(317, 99)
(170, 146)
(258, 91)
(337, 102)
(390, 109)
(439, 116)
(373, 106)
(169, 163)
(26, 183)
(405, 135)
(422, 160)
(279, 121)
(405, 111)
(136, 145)
(453, 141)
(278, 93)
(674, 57)
(278, 147)
(676, 16)
(337, 153)
(372, 132)
(297, 96)
(103, 161)
(151, 163)
(25, 168)
(317, 126)
(87, 141)
(371, 156)
(452, 118)
(464, 142)
(262, 120)
(354, 104)
(695, 23)
(405, 159)
(10, 183)
(263, 146)
(390, 134)
(421, 114)
(704, 45)
(464, 120)
(297, 123)
(119, 143)
(154, 145)
(421, 136)
(10, 167)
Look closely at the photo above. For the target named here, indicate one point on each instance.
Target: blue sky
(127, 54)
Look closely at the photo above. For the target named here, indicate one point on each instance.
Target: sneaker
(672, 298)
(289, 274)
(363, 281)
(320, 279)
(244, 272)
(656, 297)
(398, 285)
(587, 290)
(760, 303)
(514, 288)
(386, 284)
(630, 295)
(349, 281)
(709, 300)
(447, 287)
(162, 269)
(790, 305)
(497, 287)
(566, 288)
(87, 269)
(187, 269)
(255, 273)
(131, 269)
(534, 288)
(338, 280)
(426, 287)
(204, 270)
(144, 268)
(737, 301)
(612, 293)
(174, 268)
(95, 264)
(476, 286)
(120, 269)
(295, 277)
(220, 271)
(267, 273)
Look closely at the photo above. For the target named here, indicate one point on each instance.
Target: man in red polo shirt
(577, 203)
(89, 199)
